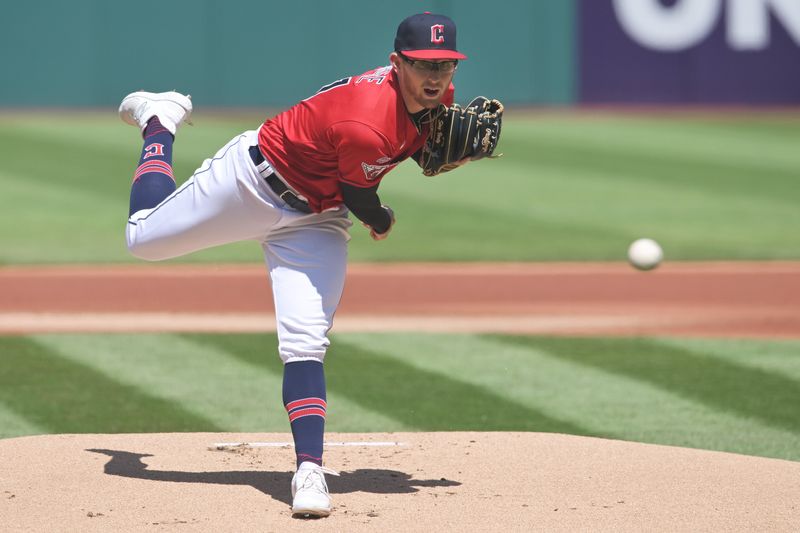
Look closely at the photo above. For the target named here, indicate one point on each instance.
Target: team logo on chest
(373, 172)
(377, 76)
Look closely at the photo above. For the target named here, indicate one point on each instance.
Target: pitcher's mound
(390, 482)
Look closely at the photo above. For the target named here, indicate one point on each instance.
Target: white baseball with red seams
(645, 254)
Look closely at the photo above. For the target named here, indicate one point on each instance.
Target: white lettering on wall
(656, 26)
(748, 22)
(687, 22)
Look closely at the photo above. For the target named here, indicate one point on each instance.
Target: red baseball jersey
(353, 130)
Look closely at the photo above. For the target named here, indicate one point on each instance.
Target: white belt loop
(264, 168)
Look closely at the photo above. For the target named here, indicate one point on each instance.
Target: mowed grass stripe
(679, 160)
(104, 132)
(558, 183)
(665, 211)
(430, 400)
(98, 225)
(554, 239)
(659, 207)
(259, 352)
(14, 425)
(108, 132)
(722, 177)
(425, 381)
(196, 376)
(64, 396)
(603, 403)
(104, 168)
(80, 194)
(76, 163)
(112, 146)
(515, 213)
(409, 397)
(568, 187)
(781, 357)
(546, 196)
(760, 146)
(746, 392)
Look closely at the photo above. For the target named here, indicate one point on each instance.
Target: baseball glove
(461, 132)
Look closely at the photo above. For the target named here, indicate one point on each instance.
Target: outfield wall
(258, 52)
(689, 51)
(270, 53)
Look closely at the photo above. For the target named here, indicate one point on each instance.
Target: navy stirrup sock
(153, 180)
(304, 399)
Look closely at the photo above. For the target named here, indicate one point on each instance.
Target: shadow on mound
(274, 484)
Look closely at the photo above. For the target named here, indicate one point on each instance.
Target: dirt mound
(390, 482)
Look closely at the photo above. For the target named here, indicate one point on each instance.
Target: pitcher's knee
(307, 349)
(303, 339)
(144, 249)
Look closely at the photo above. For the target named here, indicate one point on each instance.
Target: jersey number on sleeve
(337, 83)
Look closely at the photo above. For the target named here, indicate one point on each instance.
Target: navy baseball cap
(427, 36)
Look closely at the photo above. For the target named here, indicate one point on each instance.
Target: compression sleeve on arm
(365, 204)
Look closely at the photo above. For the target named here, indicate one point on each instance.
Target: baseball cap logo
(437, 33)
(427, 36)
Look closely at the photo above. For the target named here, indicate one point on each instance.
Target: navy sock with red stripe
(153, 179)
(304, 399)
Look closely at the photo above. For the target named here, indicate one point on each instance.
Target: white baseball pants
(226, 200)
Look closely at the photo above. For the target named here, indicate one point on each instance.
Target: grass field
(569, 187)
(738, 396)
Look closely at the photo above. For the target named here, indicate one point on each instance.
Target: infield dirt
(422, 482)
(745, 299)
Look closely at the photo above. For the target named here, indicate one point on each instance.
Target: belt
(276, 184)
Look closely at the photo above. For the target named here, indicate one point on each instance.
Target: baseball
(645, 254)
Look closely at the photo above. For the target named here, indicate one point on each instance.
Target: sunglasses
(420, 65)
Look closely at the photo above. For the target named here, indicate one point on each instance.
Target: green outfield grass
(569, 187)
(732, 395)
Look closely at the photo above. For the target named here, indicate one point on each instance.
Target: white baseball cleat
(310, 492)
(171, 108)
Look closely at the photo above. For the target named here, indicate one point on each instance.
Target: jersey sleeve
(362, 153)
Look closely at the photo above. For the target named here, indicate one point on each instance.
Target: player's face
(423, 83)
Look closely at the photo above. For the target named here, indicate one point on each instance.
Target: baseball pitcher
(290, 185)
